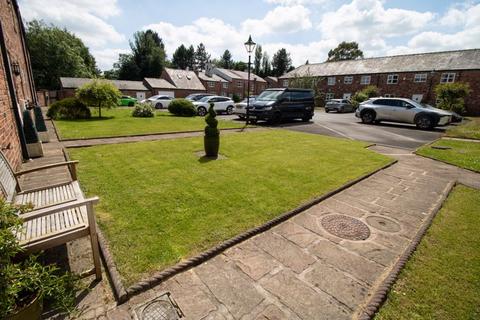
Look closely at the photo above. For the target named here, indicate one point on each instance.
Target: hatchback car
(127, 101)
(159, 101)
(339, 105)
(241, 107)
(198, 96)
(403, 110)
(220, 104)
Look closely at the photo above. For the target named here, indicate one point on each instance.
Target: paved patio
(298, 269)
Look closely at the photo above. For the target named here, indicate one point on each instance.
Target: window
(211, 84)
(420, 77)
(239, 84)
(365, 80)
(225, 85)
(392, 79)
(331, 81)
(285, 83)
(301, 95)
(348, 79)
(329, 96)
(447, 77)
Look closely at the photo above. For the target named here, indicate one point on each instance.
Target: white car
(241, 107)
(159, 101)
(220, 104)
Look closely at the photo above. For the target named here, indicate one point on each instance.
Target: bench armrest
(58, 208)
(71, 166)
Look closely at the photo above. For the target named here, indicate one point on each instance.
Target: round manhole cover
(383, 224)
(346, 227)
(159, 310)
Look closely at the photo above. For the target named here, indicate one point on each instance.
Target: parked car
(339, 105)
(403, 110)
(241, 107)
(127, 101)
(159, 101)
(220, 104)
(287, 103)
(198, 96)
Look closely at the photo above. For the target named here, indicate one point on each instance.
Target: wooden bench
(60, 212)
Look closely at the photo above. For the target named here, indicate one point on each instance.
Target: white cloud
(280, 20)
(314, 51)
(296, 2)
(106, 57)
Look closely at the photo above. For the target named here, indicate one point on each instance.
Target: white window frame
(365, 79)
(331, 81)
(225, 85)
(420, 77)
(447, 77)
(348, 79)
(211, 84)
(329, 96)
(239, 84)
(392, 78)
(285, 82)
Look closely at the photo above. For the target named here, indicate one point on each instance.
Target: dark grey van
(275, 105)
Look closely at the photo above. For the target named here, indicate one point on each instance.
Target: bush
(182, 108)
(364, 94)
(236, 98)
(143, 110)
(451, 96)
(69, 108)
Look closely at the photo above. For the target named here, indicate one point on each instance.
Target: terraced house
(411, 76)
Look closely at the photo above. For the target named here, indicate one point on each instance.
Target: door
(404, 112)
(167, 93)
(417, 97)
(383, 108)
(347, 96)
(140, 95)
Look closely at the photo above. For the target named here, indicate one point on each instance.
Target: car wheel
(424, 122)
(276, 118)
(327, 110)
(202, 111)
(341, 110)
(229, 110)
(159, 106)
(241, 117)
(368, 116)
(130, 104)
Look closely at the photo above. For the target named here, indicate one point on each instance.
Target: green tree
(345, 51)
(240, 65)
(281, 62)
(201, 57)
(226, 60)
(56, 53)
(364, 94)
(180, 58)
(100, 94)
(451, 96)
(266, 66)
(257, 62)
(191, 58)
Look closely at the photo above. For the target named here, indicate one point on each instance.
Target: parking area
(346, 125)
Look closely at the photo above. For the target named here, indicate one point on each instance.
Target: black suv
(276, 104)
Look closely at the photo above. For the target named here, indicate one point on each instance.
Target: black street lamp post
(250, 46)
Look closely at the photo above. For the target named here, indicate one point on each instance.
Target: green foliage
(201, 57)
(56, 53)
(182, 108)
(309, 82)
(39, 121)
(184, 58)
(211, 129)
(364, 94)
(21, 282)
(236, 98)
(240, 66)
(451, 96)
(100, 94)
(31, 135)
(345, 51)
(281, 62)
(143, 110)
(69, 109)
(266, 66)
(226, 60)
(257, 62)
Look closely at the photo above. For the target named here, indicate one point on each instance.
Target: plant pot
(211, 146)
(43, 135)
(32, 311)
(35, 150)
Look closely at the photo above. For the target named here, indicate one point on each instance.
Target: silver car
(403, 110)
(241, 107)
(339, 105)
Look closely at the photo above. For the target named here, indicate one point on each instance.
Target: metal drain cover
(160, 308)
(383, 224)
(345, 227)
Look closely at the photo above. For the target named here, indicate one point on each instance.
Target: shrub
(236, 98)
(69, 108)
(364, 94)
(211, 141)
(451, 96)
(143, 110)
(31, 135)
(99, 94)
(182, 108)
(39, 121)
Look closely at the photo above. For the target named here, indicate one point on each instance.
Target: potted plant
(40, 124)
(26, 284)
(211, 141)
(34, 145)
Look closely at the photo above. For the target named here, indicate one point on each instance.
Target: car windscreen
(205, 99)
(269, 95)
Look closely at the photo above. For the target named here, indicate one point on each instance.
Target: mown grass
(442, 279)
(464, 154)
(161, 203)
(470, 129)
(119, 122)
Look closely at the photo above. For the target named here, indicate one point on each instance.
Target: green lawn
(160, 203)
(470, 129)
(119, 122)
(442, 279)
(462, 153)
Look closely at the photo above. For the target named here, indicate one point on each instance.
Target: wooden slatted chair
(61, 212)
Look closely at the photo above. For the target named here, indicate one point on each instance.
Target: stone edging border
(157, 278)
(380, 294)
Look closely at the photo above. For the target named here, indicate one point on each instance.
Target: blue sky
(306, 28)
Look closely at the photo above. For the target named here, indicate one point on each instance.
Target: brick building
(213, 83)
(17, 89)
(238, 82)
(272, 82)
(184, 81)
(411, 76)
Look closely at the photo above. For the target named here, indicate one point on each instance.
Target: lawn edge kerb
(163, 275)
(381, 293)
